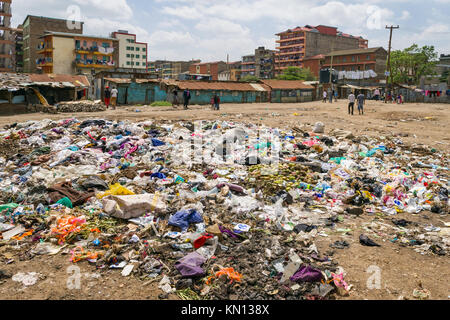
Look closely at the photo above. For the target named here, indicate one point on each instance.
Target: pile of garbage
(80, 106)
(212, 210)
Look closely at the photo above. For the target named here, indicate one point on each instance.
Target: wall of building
(317, 43)
(63, 55)
(33, 29)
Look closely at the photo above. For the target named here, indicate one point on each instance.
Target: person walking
(324, 96)
(107, 97)
(351, 104)
(377, 94)
(114, 94)
(361, 99)
(216, 102)
(335, 96)
(187, 97)
(175, 98)
(330, 95)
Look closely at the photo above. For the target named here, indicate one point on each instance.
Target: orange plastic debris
(25, 234)
(233, 275)
(66, 226)
(78, 255)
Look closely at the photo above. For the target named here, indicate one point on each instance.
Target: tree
(250, 79)
(411, 64)
(295, 73)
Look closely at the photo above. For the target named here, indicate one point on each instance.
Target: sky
(211, 29)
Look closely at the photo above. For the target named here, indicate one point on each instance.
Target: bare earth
(402, 269)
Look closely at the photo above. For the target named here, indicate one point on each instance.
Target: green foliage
(250, 79)
(161, 104)
(410, 64)
(295, 73)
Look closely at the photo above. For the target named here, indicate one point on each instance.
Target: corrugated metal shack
(29, 89)
(289, 91)
(138, 91)
(229, 92)
(147, 91)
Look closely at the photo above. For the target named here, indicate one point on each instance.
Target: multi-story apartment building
(34, 28)
(70, 53)
(18, 52)
(358, 60)
(132, 54)
(7, 44)
(208, 68)
(297, 44)
(261, 64)
(264, 63)
(248, 66)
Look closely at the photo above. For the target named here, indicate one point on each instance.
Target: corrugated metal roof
(287, 84)
(78, 81)
(124, 80)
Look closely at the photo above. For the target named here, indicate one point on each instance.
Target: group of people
(361, 98)
(111, 97)
(330, 95)
(186, 98)
(215, 100)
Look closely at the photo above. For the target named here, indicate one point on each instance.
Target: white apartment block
(132, 54)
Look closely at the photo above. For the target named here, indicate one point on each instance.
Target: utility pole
(331, 67)
(389, 68)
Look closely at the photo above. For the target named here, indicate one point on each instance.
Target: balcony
(98, 51)
(44, 62)
(94, 64)
(286, 39)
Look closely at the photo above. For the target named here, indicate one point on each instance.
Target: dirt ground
(401, 268)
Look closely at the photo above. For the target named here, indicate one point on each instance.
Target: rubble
(187, 204)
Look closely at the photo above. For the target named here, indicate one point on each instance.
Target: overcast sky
(209, 29)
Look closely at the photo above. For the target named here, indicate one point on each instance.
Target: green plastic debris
(8, 206)
(65, 202)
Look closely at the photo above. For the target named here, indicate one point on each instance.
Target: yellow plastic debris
(115, 190)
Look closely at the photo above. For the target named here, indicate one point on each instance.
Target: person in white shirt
(351, 105)
(324, 96)
(114, 93)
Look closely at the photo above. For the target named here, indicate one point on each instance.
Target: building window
(144, 57)
(137, 48)
(84, 44)
(138, 56)
(137, 63)
(128, 55)
(144, 49)
(368, 57)
(353, 59)
(128, 63)
(132, 55)
(344, 59)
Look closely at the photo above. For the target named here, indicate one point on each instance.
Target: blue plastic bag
(157, 143)
(158, 175)
(183, 218)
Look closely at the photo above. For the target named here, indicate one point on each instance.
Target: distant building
(17, 35)
(248, 67)
(164, 69)
(443, 64)
(132, 54)
(34, 28)
(301, 42)
(7, 44)
(359, 60)
(70, 53)
(211, 68)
